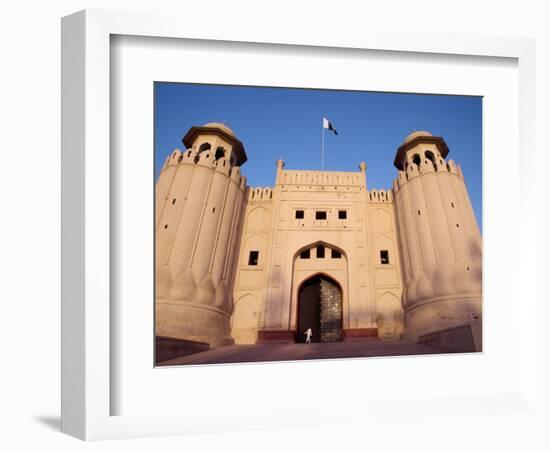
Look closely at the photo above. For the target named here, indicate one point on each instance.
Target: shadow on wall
(477, 258)
(469, 275)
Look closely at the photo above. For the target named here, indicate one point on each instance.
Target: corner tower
(439, 238)
(200, 200)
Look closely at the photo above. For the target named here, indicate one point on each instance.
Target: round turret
(439, 236)
(199, 200)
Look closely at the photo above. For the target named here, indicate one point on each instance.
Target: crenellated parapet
(426, 166)
(321, 178)
(204, 159)
(260, 194)
(380, 196)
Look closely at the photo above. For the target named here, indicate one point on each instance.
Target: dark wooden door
(309, 310)
(320, 308)
(331, 311)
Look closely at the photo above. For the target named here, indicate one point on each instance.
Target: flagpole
(322, 145)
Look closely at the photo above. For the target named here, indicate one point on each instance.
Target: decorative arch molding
(380, 234)
(254, 234)
(245, 319)
(244, 297)
(387, 294)
(383, 221)
(319, 274)
(317, 244)
(389, 315)
(255, 217)
(383, 238)
(304, 270)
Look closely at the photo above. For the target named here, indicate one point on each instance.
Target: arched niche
(245, 319)
(389, 316)
(384, 243)
(258, 219)
(255, 242)
(382, 220)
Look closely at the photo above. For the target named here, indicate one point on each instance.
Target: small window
(320, 251)
(204, 147)
(299, 214)
(384, 257)
(342, 214)
(320, 215)
(429, 155)
(336, 254)
(220, 153)
(253, 258)
(304, 254)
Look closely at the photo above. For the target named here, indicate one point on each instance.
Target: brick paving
(358, 348)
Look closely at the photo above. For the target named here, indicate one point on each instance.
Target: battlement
(205, 159)
(414, 170)
(380, 196)
(321, 178)
(260, 194)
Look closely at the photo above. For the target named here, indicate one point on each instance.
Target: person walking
(308, 334)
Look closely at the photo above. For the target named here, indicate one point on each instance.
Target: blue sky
(275, 123)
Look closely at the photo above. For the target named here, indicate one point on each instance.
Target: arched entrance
(320, 308)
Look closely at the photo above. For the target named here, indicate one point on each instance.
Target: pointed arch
(382, 220)
(319, 309)
(245, 319)
(389, 315)
(318, 244)
(257, 218)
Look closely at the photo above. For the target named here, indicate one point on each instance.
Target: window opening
(320, 215)
(320, 251)
(253, 258)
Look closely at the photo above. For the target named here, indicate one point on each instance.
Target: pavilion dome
(416, 134)
(220, 126)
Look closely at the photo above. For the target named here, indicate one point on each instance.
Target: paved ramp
(295, 352)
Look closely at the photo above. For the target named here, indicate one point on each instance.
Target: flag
(328, 126)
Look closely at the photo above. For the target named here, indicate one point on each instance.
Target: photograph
(300, 224)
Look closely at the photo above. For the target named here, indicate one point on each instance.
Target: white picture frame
(87, 385)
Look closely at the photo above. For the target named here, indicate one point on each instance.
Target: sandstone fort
(237, 264)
